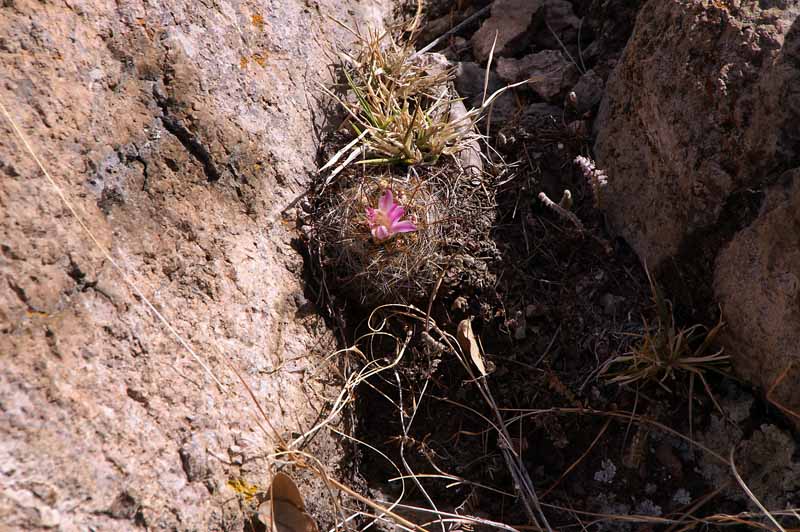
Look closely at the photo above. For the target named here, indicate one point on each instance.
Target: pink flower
(385, 221)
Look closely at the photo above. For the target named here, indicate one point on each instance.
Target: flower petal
(395, 213)
(404, 226)
(386, 201)
(371, 214)
(380, 232)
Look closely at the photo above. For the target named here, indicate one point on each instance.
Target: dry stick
(338, 155)
(696, 505)
(618, 415)
(522, 480)
(563, 47)
(434, 293)
(486, 84)
(249, 390)
(455, 480)
(375, 506)
(400, 497)
(579, 460)
(778, 380)
(463, 518)
(405, 427)
(580, 52)
(488, 69)
(750, 493)
(106, 254)
(519, 473)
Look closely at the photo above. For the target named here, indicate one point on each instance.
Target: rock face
(181, 132)
(698, 125)
(695, 110)
(757, 282)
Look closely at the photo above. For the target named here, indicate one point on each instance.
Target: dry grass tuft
(402, 103)
(664, 349)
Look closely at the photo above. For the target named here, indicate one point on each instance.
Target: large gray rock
(181, 131)
(699, 123)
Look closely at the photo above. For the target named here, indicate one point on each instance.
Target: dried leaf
(284, 509)
(468, 343)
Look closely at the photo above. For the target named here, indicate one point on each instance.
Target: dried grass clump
(666, 349)
(453, 217)
(400, 103)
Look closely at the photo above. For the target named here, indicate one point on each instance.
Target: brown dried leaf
(284, 509)
(468, 343)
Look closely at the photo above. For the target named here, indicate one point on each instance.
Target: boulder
(509, 21)
(549, 72)
(698, 134)
(181, 132)
(757, 283)
(699, 106)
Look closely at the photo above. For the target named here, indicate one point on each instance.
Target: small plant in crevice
(388, 236)
(596, 179)
(665, 350)
(412, 150)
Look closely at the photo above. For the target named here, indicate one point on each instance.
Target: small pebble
(460, 304)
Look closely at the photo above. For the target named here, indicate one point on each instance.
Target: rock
(469, 79)
(194, 459)
(692, 113)
(559, 19)
(510, 21)
(549, 72)
(180, 131)
(757, 283)
(611, 22)
(698, 134)
(588, 92)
